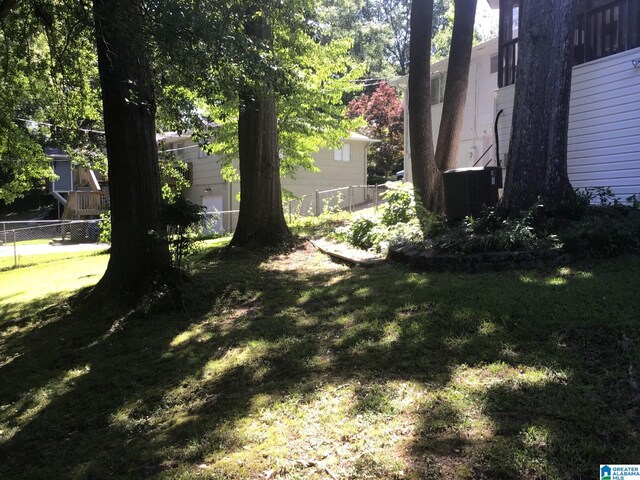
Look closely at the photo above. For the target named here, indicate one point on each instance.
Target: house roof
(357, 137)
(55, 153)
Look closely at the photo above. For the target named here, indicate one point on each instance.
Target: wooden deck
(86, 204)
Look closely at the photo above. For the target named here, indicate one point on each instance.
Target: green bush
(604, 232)
(396, 222)
(105, 228)
(491, 232)
(183, 219)
(360, 232)
(400, 206)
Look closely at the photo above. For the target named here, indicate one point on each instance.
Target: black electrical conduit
(495, 131)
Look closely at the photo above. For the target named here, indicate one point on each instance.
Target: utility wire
(86, 130)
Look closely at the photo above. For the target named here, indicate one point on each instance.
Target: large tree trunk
(261, 220)
(455, 97)
(421, 137)
(139, 250)
(537, 162)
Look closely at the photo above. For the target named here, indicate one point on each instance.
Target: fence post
(4, 231)
(15, 250)
(350, 199)
(317, 201)
(290, 210)
(375, 198)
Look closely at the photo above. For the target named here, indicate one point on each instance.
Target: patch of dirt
(305, 258)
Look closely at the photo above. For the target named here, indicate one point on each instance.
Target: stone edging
(345, 254)
(416, 256)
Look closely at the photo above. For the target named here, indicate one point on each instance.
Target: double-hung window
(342, 154)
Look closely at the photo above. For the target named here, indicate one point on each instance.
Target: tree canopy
(384, 112)
(380, 31)
(47, 90)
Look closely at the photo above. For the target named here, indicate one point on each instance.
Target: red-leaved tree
(384, 112)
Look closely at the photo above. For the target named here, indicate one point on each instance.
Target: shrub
(105, 228)
(396, 222)
(400, 206)
(606, 231)
(182, 218)
(359, 233)
(491, 232)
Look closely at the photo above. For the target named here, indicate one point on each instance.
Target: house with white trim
(604, 118)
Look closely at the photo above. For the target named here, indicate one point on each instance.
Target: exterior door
(213, 222)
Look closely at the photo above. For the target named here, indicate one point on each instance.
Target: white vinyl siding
(604, 124)
(438, 84)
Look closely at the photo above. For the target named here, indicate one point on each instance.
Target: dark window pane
(494, 64)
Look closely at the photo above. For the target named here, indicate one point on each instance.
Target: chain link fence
(219, 223)
(351, 198)
(30, 237)
(22, 238)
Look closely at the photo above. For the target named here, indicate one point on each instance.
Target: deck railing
(89, 203)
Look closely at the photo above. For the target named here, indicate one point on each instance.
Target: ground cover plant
(394, 223)
(595, 223)
(285, 365)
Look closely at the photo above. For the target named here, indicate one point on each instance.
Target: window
(605, 27)
(188, 173)
(508, 41)
(438, 84)
(494, 64)
(602, 28)
(342, 154)
(178, 150)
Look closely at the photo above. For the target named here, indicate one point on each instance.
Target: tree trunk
(261, 220)
(139, 250)
(421, 137)
(537, 165)
(455, 97)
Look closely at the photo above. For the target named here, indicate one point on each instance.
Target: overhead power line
(86, 130)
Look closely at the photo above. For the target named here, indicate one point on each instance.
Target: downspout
(495, 132)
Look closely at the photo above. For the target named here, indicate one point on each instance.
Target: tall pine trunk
(261, 220)
(139, 251)
(423, 166)
(537, 163)
(455, 97)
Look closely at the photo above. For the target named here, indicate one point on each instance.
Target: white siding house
(604, 118)
(477, 128)
(604, 124)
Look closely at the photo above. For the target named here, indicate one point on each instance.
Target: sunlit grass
(51, 275)
(8, 262)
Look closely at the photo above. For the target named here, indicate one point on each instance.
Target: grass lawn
(289, 366)
(54, 275)
(8, 262)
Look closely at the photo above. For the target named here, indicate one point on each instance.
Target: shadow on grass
(522, 375)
